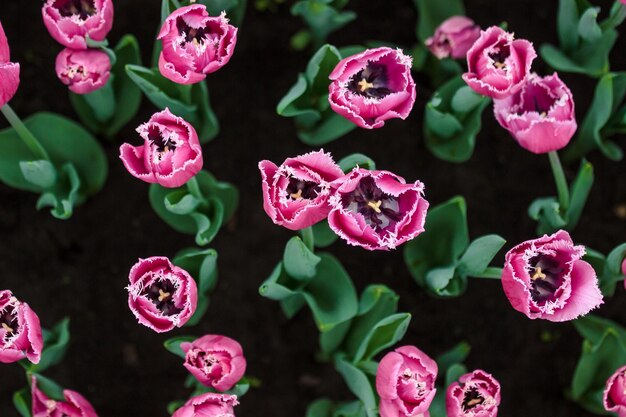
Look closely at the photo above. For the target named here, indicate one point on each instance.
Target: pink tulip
(545, 278)
(497, 64)
(9, 71)
(171, 153)
(405, 382)
(70, 22)
(20, 331)
(614, 398)
(195, 44)
(377, 210)
(215, 361)
(84, 71)
(540, 116)
(475, 395)
(454, 37)
(373, 86)
(162, 296)
(208, 405)
(295, 195)
(75, 405)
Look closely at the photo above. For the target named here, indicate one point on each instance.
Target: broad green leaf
(181, 203)
(202, 266)
(40, 173)
(55, 345)
(454, 372)
(480, 253)
(321, 18)
(173, 344)
(323, 234)
(615, 258)
(174, 405)
(278, 285)
(465, 99)
(431, 13)
(567, 24)
(331, 127)
(320, 408)
(356, 160)
(454, 356)
(299, 262)
(579, 192)
(22, 402)
(331, 340)
(49, 387)
(321, 64)
(358, 382)
(588, 27)
(384, 334)
(593, 328)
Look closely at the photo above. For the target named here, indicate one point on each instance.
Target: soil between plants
(79, 268)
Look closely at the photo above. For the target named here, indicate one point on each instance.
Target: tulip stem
(25, 135)
(559, 178)
(194, 188)
(308, 238)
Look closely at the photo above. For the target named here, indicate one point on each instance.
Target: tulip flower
(75, 405)
(208, 405)
(9, 71)
(83, 71)
(372, 87)
(498, 64)
(195, 44)
(405, 382)
(377, 210)
(540, 116)
(70, 22)
(453, 38)
(20, 330)
(295, 195)
(546, 278)
(160, 295)
(476, 394)
(614, 398)
(171, 153)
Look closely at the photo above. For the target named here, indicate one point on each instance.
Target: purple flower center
(197, 36)
(371, 81)
(298, 189)
(546, 276)
(499, 57)
(472, 398)
(536, 98)
(8, 322)
(381, 211)
(81, 8)
(161, 293)
(156, 137)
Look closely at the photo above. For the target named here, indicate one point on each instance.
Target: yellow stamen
(7, 328)
(543, 114)
(375, 205)
(298, 195)
(538, 274)
(166, 148)
(499, 65)
(364, 85)
(163, 295)
(474, 402)
(195, 42)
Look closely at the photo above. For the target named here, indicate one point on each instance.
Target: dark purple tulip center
(536, 99)
(500, 55)
(381, 211)
(299, 189)
(156, 137)
(545, 277)
(8, 322)
(472, 398)
(370, 82)
(197, 36)
(81, 8)
(161, 293)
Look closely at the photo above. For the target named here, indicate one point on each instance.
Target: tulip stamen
(297, 195)
(163, 295)
(364, 85)
(538, 274)
(499, 65)
(375, 205)
(8, 328)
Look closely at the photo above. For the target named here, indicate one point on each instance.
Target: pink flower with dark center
(498, 64)
(540, 116)
(195, 44)
(215, 361)
(75, 405)
(295, 194)
(373, 86)
(377, 210)
(171, 153)
(84, 71)
(614, 398)
(545, 278)
(9, 71)
(208, 405)
(475, 395)
(20, 330)
(162, 296)
(454, 37)
(70, 22)
(405, 382)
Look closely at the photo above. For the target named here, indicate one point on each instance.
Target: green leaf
(480, 253)
(615, 258)
(321, 64)
(320, 408)
(321, 18)
(331, 127)
(299, 262)
(278, 286)
(331, 340)
(567, 24)
(49, 387)
(588, 27)
(173, 344)
(452, 357)
(356, 160)
(593, 328)
(22, 402)
(40, 173)
(579, 192)
(174, 405)
(454, 372)
(547, 212)
(323, 234)
(55, 345)
(202, 266)
(206, 122)
(465, 99)
(358, 383)
(181, 203)
(431, 13)
(385, 333)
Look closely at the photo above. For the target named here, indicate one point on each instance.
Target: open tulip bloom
(453, 37)
(614, 398)
(9, 71)
(83, 71)
(372, 87)
(208, 405)
(71, 22)
(476, 394)
(20, 330)
(75, 405)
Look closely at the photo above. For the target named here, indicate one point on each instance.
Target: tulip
(83, 71)
(614, 398)
(9, 71)
(20, 330)
(70, 22)
(377, 210)
(373, 86)
(454, 37)
(160, 295)
(477, 394)
(208, 405)
(75, 405)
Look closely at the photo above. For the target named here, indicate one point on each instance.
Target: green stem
(308, 238)
(559, 178)
(194, 188)
(22, 131)
(491, 272)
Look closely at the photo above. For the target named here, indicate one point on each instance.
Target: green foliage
(322, 18)
(202, 266)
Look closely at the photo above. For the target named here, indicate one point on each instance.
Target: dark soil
(79, 268)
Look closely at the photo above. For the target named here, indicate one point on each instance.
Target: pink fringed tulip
(615, 393)
(215, 361)
(70, 22)
(405, 382)
(373, 86)
(295, 195)
(9, 71)
(75, 405)
(20, 331)
(497, 65)
(454, 37)
(540, 116)
(377, 209)
(195, 44)
(545, 278)
(162, 296)
(208, 405)
(475, 395)
(83, 71)
(171, 153)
